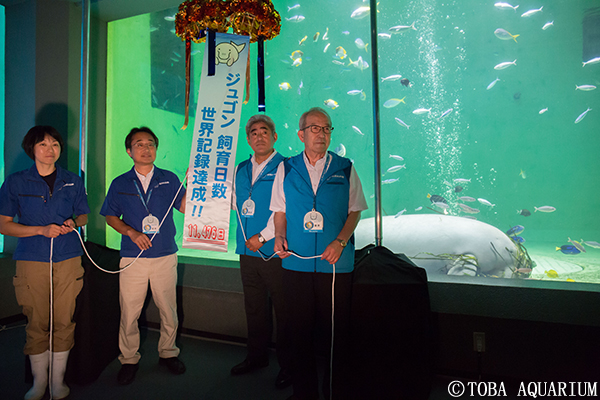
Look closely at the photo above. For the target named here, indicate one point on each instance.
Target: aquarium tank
(488, 120)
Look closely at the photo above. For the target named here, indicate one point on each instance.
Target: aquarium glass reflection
(488, 115)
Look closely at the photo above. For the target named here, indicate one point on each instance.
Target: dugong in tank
(449, 244)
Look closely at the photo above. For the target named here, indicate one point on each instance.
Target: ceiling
(111, 10)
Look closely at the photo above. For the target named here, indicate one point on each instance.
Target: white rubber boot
(58, 389)
(39, 370)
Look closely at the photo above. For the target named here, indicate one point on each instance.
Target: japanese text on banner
(214, 143)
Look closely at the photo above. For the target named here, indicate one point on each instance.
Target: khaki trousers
(32, 289)
(161, 273)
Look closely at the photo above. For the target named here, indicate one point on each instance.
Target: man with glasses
(135, 205)
(317, 200)
(261, 275)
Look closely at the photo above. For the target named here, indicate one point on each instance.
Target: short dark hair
(260, 118)
(136, 130)
(38, 134)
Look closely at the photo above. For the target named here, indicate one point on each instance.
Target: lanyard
(142, 197)
(258, 178)
(325, 169)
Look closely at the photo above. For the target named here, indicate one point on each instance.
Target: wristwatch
(342, 242)
(261, 238)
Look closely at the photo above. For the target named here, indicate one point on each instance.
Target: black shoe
(248, 366)
(283, 380)
(174, 364)
(127, 373)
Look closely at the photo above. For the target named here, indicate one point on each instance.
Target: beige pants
(161, 272)
(32, 288)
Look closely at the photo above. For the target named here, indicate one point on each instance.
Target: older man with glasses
(317, 200)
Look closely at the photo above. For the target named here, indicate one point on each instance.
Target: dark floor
(207, 377)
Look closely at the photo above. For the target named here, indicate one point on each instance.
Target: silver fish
(340, 150)
(388, 181)
(548, 25)
(546, 209)
(484, 201)
(296, 18)
(466, 198)
(577, 245)
(357, 130)
(491, 85)
(391, 78)
(595, 245)
(400, 213)
(395, 157)
(586, 88)
(448, 111)
(463, 180)
(467, 209)
(384, 35)
(396, 168)
(594, 60)
(440, 204)
(505, 65)
(360, 12)
(419, 208)
(398, 120)
(582, 116)
(529, 13)
(420, 111)
(543, 110)
(505, 5)
(402, 28)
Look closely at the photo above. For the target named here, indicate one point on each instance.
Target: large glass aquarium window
(489, 116)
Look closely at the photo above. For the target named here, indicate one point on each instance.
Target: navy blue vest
(261, 195)
(331, 201)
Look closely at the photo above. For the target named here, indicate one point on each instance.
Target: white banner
(214, 142)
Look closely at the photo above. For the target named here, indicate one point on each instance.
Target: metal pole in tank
(83, 92)
(375, 73)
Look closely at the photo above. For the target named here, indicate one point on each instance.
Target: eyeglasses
(141, 146)
(316, 129)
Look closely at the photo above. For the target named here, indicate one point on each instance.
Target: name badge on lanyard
(313, 222)
(248, 208)
(150, 224)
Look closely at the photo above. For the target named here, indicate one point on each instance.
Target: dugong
(228, 53)
(449, 244)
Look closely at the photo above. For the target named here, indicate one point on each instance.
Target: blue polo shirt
(123, 201)
(26, 195)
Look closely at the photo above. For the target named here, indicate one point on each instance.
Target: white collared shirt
(145, 180)
(269, 231)
(356, 202)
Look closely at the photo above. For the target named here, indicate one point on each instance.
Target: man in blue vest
(317, 200)
(261, 277)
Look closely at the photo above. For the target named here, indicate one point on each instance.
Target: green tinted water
(510, 154)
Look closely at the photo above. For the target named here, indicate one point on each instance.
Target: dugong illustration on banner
(228, 53)
(450, 245)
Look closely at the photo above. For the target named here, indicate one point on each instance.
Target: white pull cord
(97, 266)
(51, 319)
(140, 253)
(332, 297)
